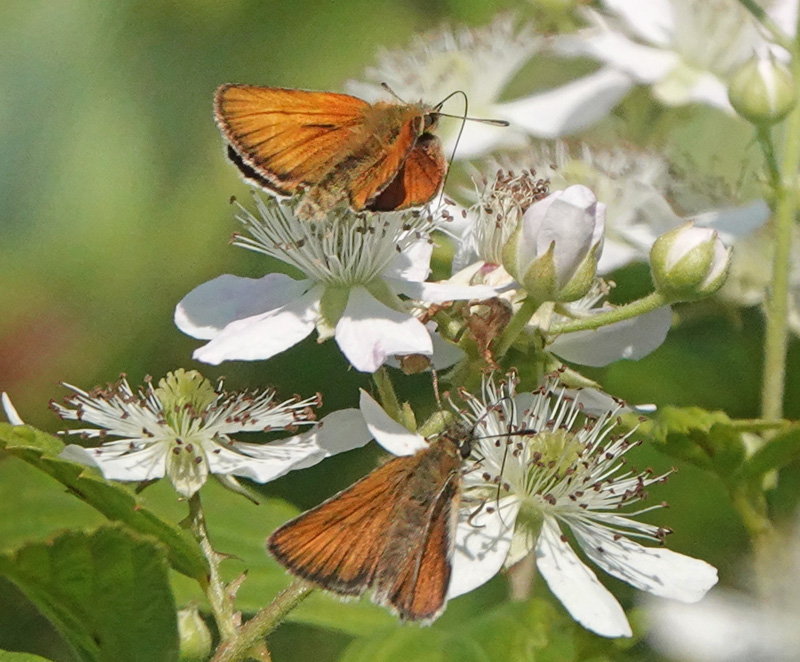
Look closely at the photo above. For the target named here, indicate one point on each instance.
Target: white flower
(630, 339)
(355, 266)
(686, 50)
(733, 626)
(481, 62)
(183, 429)
(562, 467)
(554, 250)
(635, 186)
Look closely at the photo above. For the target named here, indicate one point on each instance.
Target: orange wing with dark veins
(338, 544)
(418, 180)
(290, 137)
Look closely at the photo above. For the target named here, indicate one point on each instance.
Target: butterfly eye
(430, 121)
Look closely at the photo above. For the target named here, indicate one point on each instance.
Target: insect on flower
(392, 531)
(333, 147)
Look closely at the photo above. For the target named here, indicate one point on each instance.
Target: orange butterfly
(393, 531)
(332, 148)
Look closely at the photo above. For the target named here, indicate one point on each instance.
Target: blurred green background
(114, 203)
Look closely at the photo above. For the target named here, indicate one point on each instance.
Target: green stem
(264, 622)
(516, 326)
(218, 597)
(644, 305)
(764, 136)
(751, 508)
(762, 17)
(777, 305)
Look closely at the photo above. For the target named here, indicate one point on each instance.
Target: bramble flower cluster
(503, 291)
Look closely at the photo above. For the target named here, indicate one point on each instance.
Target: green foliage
(106, 591)
(708, 440)
(112, 500)
(534, 631)
(6, 656)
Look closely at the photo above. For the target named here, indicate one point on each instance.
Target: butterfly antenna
(386, 87)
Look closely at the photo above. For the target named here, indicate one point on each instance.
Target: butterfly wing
(287, 138)
(413, 573)
(338, 544)
(418, 180)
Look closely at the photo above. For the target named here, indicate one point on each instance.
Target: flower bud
(194, 636)
(554, 250)
(689, 263)
(762, 90)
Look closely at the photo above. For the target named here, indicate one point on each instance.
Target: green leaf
(107, 592)
(706, 439)
(510, 631)
(113, 500)
(779, 451)
(7, 656)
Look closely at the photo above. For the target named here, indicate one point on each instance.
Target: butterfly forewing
(338, 544)
(393, 530)
(290, 136)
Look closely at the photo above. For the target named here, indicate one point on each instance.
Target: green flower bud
(762, 91)
(195, 639)
(689, 263)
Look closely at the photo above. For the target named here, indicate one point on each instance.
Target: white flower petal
(570, 108)
(629, 339)
(11, 413)
(733, 222)
(368, 332)
(657, 570)
(413, 263)
(644, 63)
(481, 545)
(387, 432)
(264, 336)
(444, 291)
(653, 21)
(576, 586)
(210, 307)
(724, 627)
(120, 464)
(340, 431)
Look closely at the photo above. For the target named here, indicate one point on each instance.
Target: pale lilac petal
(657, 570)
(120, 463)
(576, 586)
(210, 307)
(444, 291)
(412, 264)
(386, 431)
(629, 339)
(369, 331)
(340, 431)
(482, 542)
(570, 108)
(11, 413)
(265, 335)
